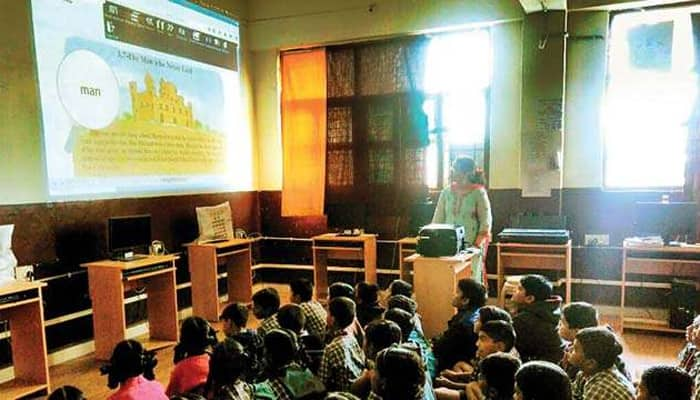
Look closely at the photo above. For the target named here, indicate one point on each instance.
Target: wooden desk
(659, 261)
(435, 285)
(333, 246)
(407, 247)
(203, 260)
(25, 314)
(109, 279)
(548, 257)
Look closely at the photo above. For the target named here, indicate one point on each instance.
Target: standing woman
(466, 203)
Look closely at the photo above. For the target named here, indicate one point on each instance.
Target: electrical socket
(24, 272)
(602, 239)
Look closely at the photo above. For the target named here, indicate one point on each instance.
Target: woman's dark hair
(537, 286)
(291, 317)
(381, 334)
(303, 288)
(227, 364)
(399, 286)
(542, 380)
(599, 344)
(499, 370)
(493, 313)
(236, 313)
(668, 383)
(340, 289)
(281, 349)
(367, 293)
(196, 335)
(403, 302)
(468, 166)
(342, 309)
(579, 315)
(500, 331)
(268, 299)
(129, 359)
(401, 375)
(403, 319)
(66, 393)
(474, 291)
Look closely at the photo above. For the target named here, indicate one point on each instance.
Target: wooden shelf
(649, 325)
(19, 388)
(339, 248)
(18, 303)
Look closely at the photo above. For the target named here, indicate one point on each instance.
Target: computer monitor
(672, 221)
(128, 234)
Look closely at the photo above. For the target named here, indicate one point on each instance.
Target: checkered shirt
(342, 363)
(267, 325)
(609, 384)
(315, 318)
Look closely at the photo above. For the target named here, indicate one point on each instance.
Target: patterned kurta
(267, 325)
(608, 384)
(343, 362)
(315, 318)
(472, 210)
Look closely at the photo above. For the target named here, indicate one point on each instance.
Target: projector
(440, 240)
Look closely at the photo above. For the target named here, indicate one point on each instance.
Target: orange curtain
(303, 132)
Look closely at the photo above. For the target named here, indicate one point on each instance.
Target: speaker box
(682, 303)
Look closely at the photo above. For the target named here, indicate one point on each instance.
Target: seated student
(131, 370)
(191, 358)
(496, 380)
(287, 380)
(594, 353)
(379, 335)
(367, 299)
(314, 313)
(343, 359)
(399, 286)
(408, 304)
(458, 342)
(574, 317)
(66, 393)
(342, 289)
(688, 358)
(292, 317)
(494, 337)
(541, 380)
(398, 375)
(227, 365)
(491, 313)
(266, 302)
(536, 320)
(234, 319)
(664, 382)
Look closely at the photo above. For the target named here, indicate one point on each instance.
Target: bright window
(650, 94)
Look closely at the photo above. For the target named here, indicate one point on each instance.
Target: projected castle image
(163, 105)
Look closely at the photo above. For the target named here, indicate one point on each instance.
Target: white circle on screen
(88, 89)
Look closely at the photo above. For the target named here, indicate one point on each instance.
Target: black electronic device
(534, 236)
(128, 235)
(18, 296)
(682, 303)
(440, 240)
(144, 270)
(672, 221)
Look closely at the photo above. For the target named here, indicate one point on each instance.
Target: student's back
(536, 331)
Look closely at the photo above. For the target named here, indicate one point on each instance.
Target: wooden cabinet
(333, 246)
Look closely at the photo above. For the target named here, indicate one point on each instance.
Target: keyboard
(127, 259)
(144, 270)
(15, 297)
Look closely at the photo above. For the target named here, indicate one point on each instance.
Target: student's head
(542, 380)
(491, 313)
(464, 171)
(576, 316)
(366, 293)
(66, 393)
(234, 318)
(129, 359)
(266, 302)
(692, 329)
(291, 317)
(196, 335)
(399, 286)
(664, 382)
(379, 335)
(495, 336)
(532, 288)
(398, 374)
(302, 290)
(341, 312)
(497, 375)
(403, 319)
(595, 349)
(405, 303)
(226, 365)
(340, 289)
(281, 349)
(470, 295)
